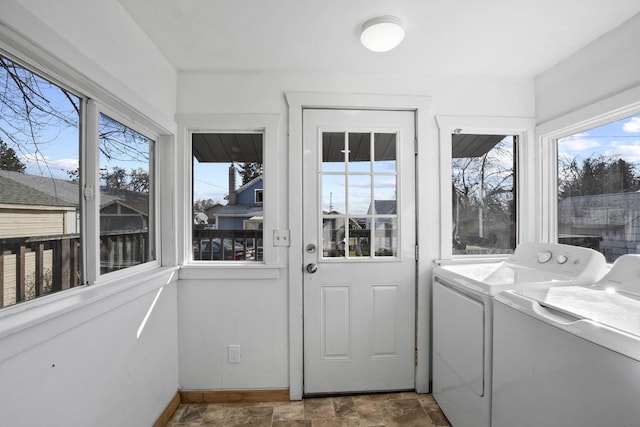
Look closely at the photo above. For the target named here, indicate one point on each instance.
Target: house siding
(27, 223)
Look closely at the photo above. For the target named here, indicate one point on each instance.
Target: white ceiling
(513, 38)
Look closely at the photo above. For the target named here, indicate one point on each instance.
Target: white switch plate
(281, 238)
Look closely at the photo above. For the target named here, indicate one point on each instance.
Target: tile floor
(392, 409)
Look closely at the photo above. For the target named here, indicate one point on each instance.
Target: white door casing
(359, 240)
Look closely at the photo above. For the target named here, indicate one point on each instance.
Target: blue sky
(618, 139)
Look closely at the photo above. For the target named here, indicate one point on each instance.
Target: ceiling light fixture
(382, 33)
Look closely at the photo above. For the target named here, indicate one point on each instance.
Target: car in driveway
(211, 249)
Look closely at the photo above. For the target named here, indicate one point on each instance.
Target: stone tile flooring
(375, 410)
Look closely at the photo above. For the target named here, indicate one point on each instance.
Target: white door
(359, 250)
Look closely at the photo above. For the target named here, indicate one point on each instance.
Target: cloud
(628, 151)
(39, 160)
(576, 143)
(632, 126)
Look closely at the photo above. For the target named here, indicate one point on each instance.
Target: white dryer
(570, 356)
(463, 319)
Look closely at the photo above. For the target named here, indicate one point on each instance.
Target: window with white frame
(599, 188)
(46, 191)
(126, 204)
(483, 179)
(227, 194)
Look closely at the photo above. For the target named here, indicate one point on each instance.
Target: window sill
(230, 271)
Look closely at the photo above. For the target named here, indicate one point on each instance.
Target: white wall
(216, 313)
(102, 43)
(76, 358)
(604, 68)
(252, 312)
(91, 364)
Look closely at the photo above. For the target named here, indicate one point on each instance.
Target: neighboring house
(27, 212)
(120, 210)
(211, 213)
(609, 223)
(245, 208)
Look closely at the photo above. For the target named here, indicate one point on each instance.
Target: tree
(201, 205)
(596, 175)
(139, 180)
(9, 160)
(249, 171)
(34, 112)
(114, 178)
(482, 190)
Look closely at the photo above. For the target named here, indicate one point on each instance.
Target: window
(126, 214)
(483, 175)
(598, 188)
(40, 209)
(228, 199)
(43, 176)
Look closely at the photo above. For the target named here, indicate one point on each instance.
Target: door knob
(312, 268)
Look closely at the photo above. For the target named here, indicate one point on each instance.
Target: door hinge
(417, 253)
(415, 146)
(415, 357)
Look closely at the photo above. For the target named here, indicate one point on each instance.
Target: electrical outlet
(234, 353)
(281, 238)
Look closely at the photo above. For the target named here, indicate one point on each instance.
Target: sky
(619, 139)
(57, 152)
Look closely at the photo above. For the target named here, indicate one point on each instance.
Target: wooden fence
(34, 266)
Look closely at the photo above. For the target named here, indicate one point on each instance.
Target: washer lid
(607, 306)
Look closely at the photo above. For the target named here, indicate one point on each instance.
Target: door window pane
(126, 214)
(385, 152)
(359, 152)
(359, 237)
(333, 237)
(359, 198)
(228, 216)
(598, 188)
(348, 196)
(333, 193)
(386, 236)
(483, 189)
(333, 151)
(39, 191)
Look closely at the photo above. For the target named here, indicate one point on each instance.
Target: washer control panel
(559, 260)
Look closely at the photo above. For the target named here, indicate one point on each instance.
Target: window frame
(610, 110)
(268, 125)
(523, 130)
(93, 100)
(92, 163)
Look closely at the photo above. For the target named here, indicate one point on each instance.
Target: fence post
(65, 247)
(20, 272)
(39, 279)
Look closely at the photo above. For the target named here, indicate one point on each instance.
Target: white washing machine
(570, 356)
(462, 319)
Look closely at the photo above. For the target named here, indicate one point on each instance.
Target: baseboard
(226, 396)
(233, 396)
(166, 415)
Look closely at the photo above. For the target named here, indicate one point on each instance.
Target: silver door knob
(312, 268)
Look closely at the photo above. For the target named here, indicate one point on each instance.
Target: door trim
(297, 101)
